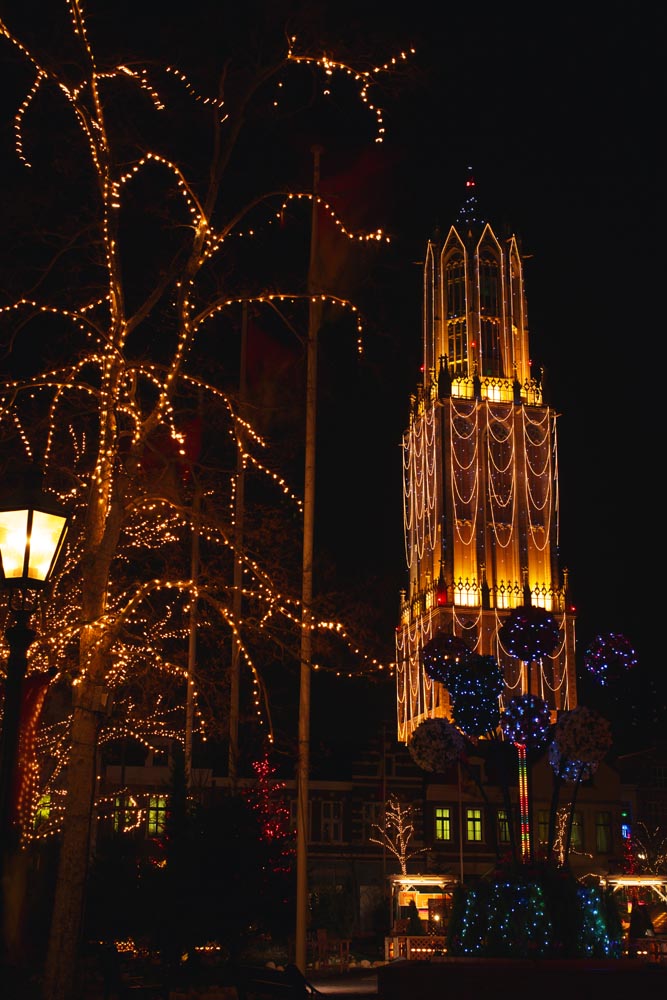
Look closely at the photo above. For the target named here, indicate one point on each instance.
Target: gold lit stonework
(480, 476)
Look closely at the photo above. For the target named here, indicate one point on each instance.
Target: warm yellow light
(30, 541)
(13, 533)
(46, 540)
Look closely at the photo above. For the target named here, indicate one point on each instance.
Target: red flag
(35, 687)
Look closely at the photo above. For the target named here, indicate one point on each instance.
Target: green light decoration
(542, 914)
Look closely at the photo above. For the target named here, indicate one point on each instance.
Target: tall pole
(303, 763)
(235, 669)
(20, 637)
(192, 635)
(458, 768)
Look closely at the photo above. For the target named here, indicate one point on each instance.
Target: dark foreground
(502, 979)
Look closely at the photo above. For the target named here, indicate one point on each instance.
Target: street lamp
(33, 526)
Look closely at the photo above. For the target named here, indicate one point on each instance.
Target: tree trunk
(570, 821)
(553, 812)
(59, 979)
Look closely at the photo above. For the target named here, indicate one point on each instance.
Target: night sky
(557, 110)
(556, 115)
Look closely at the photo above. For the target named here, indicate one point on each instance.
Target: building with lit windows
(480, 475)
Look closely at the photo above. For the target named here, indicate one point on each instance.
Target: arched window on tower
(455, 306)
(490, 322)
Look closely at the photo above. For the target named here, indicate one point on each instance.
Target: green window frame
(443, 823)
(157, 815)
(474, 825)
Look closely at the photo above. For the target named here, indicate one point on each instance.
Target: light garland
(106, 411)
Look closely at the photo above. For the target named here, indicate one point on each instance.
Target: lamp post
(33, 526)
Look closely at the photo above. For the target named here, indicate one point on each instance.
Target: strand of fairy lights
(419, 487)
(364, 78)
(495, 470)
(116, 375)
(540, 477)
(465, 507)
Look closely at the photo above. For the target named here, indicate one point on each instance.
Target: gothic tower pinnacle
(480, 476)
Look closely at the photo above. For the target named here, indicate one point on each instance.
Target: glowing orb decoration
(440, 652)
(474, 688)
(526, 720)
(582, 735)
(436, 743)
(569, 770)
(529, 633)
(609, 656)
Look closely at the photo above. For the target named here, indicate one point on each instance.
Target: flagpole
(303, 762)
(192, 634)
(235, 669)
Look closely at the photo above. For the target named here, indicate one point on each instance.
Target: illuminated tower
(480, 478)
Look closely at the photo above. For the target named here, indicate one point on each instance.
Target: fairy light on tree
(274, 815)
(136, 325)
(397, 831)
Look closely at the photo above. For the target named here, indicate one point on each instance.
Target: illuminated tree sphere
(436, 743)
(582, 734)
(529, 633)
(526, 720)
(441, 652)
(609, 656)
(570, 770)
(474, 688)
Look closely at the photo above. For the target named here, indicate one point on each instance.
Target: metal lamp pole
(19, 637)
(33, 526)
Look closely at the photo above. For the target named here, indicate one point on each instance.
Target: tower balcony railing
(491, 387)
(466, 593)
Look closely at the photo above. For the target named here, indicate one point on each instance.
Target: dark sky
(558, 110)
(555, 110)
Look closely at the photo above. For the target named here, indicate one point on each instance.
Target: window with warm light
(157, 815)
(443, 823)
(474, 825)
(455, 293)
(577, 841)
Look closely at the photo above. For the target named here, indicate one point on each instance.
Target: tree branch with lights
(397, 831)
(135, 296)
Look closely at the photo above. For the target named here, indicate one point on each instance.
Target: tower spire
(469, 211)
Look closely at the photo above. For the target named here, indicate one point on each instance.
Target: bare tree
(397, 831)
(649, 848)
(132, 291)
